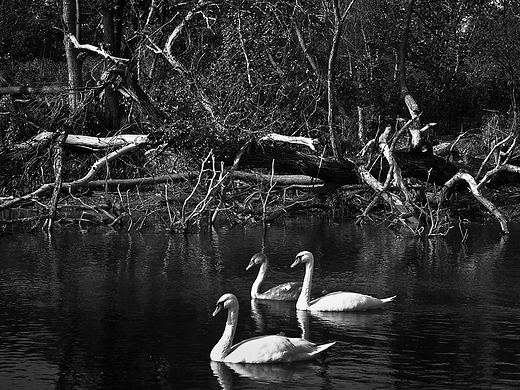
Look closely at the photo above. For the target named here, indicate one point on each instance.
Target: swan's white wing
(286, 291)
(273, 349)
(345, 301)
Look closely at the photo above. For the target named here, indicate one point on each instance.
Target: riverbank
(145, 210)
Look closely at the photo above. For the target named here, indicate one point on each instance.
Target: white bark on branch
(403, 213)
(491, 153)
(474, 188)
(309, 142)
(79, 141)
(404, 207)
(418, 134)
(104, 161)
(94, 49)
(489, 174)
(394, 171)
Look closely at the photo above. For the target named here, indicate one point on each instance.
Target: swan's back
(347, 301)
(274, 349)
(289, 291)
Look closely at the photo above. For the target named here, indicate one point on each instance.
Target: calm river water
(112, 310)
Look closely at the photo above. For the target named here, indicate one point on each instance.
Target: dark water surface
(111, 310)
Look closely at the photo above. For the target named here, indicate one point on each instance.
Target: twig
(491, 152)
(242, 45)
(271, 185)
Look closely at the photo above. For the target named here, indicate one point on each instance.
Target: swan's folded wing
(272, 349)
(345, 301)
(251, 340)
(285, 291)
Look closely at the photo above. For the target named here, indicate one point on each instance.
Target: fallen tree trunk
(422, 166)
(26, 90)
(278, 180)
(43, 139)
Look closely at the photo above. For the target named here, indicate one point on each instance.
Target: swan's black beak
(297, 261)
(218, 308)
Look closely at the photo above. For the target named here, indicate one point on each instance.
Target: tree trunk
(57, 150)
(333, 134)
(112, 25)
(73, 63)
(418, 135)
(412, 106)
(331, 75)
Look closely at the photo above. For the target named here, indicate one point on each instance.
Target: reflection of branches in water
(437, 250)
(482, 265)
(461, 287)
(217, 248)
(473, 270)
(266, 373)
(187, 255)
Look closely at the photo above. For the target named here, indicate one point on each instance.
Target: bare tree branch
(474, 188)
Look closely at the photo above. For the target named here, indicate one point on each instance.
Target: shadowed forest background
(208, 111)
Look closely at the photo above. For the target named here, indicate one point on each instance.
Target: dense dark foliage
(245, 71)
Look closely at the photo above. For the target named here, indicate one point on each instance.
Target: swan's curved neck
(221, 349)
(255, 288)
(305, 295)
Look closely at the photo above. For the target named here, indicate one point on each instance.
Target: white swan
(283, 292)
(335, 301)
(261, 349)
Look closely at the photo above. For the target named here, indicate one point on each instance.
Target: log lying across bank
(287, 164)
(292, 161)
(262, 154)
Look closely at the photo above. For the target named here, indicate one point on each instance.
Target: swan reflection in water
(273, 317)
(271, 312)
(269, 315)
(339, 321)
(266, 373)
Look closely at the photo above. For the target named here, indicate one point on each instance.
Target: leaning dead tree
(393, 189)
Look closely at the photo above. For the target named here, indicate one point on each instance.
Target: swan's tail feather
(322, 347)
(390, 299)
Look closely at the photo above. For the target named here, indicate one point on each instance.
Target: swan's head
(257, 259)
(303, 257)
(226, 301)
